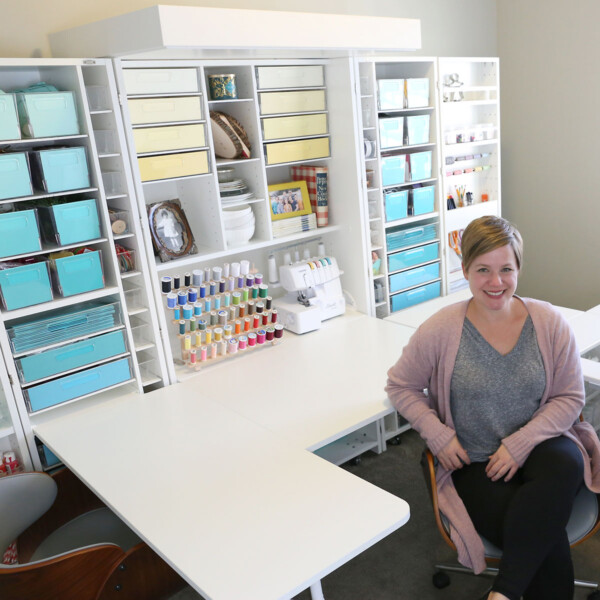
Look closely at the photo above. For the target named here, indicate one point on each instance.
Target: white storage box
(160, 81)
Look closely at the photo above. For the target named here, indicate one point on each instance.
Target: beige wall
(551, 165)
(449, 27)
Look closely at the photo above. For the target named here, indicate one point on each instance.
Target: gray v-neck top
(493, 395)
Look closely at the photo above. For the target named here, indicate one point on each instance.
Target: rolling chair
(72, 547)
(584, 522)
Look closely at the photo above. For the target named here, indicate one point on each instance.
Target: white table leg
(316, 591)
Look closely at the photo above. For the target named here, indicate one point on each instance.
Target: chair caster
(594, 595)
(356, 461)
(440, 580)
(395, 441)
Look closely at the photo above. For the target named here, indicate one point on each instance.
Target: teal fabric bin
(414, 277)
(391, 132)
(413, 257)
(9, 122)
(393, 169)
(78, 384)
(415, 296)
(26, 285)
(423, 200)
(71, 222)
(417, 129)
(60, 169)
(78, 274)
(420, 165)
(71, 356)
(19, 233)
(48, 114)
(396, 205)
(15, 180)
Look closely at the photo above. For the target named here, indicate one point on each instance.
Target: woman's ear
(464, 271)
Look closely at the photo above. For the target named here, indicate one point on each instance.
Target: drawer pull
(76, 352)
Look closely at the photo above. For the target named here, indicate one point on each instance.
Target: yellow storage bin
(281, 152)
(174, 137)
(290, 76)
(167, 166)
(296, 126)
(160, 81)
(164, 110)
(272, 103)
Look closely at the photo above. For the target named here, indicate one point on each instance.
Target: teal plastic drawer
(78, 384)
(420, 165)
(79, 273)
(15, 180)
(413, 257)
(60, 169)
(19, 233)
(417, 129)
(411, 236)
(423, 200)
(48, 114)
(414, 277)
(71, 222)
(415, 296)
(396, 205)
(25, 286)
(393, 170)
(9, 122)
(391, 132)
(71, 356)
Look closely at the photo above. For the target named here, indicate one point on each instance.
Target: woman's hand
(453, 456)
(501, 464)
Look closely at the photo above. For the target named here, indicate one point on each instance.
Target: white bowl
(239, 237)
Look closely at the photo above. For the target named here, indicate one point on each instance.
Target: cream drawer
(289, 77)
(164, 110)
(272, 103)
(160, 81)
(297, 126)
(281, 152)
(175, 137)
(167, 166)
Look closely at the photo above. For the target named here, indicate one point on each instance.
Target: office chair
(72, 547)
(583, 523)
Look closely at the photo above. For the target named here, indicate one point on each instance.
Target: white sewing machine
(314, 294)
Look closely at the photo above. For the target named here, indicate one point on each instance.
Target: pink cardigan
(427, 361)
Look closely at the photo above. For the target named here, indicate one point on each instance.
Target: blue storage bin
(393, 169)
(391, 132)
(413, 277)
(60, 169)
(78, 384)
(71, 356)
(19, 233)
(26, 285)
(48, 458)
(420, 165)
(423, 200)
(47, 114)
(413, 257)
(390, 94)
(15, 180)
(415, 296)
(417, 129)
(396, 205)
(9, 122)
(71, 222)
(411, 236)
(78, 274)
(417, 92)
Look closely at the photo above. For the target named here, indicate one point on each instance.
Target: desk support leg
(316, 591)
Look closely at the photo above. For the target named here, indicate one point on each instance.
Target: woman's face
(493, 278)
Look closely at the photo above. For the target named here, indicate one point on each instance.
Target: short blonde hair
(486, 234)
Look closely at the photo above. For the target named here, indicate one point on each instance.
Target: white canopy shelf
(202, 32)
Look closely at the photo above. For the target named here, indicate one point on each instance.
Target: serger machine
(314, 294)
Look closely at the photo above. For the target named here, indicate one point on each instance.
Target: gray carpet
(400, 566)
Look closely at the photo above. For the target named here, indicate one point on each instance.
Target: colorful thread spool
(222, 317)
(242, 342)
(176, 282)
(207, 304)
(258, 278)
(232, 346)
(176, 313)
(268, 302)
(265, 319)
(247, 322)
(181, 298)
(278, 331)
(235, 298)
(197, 309)
(263, 290)
(222, 285)
(187, 311)
(255, 321)
(193, 356)
(187, 279)
(218, 333)
(181, 327)
(197, 277)
(202, 289)
(270, 333)
(226, 299)
(165, 284)
(213, 350)
(171, 300)
(203, 354)
(192, 295)
(251, 339)
(274, 316)
(201, 324)
(212, 286)
(261, 336)
(217, 302)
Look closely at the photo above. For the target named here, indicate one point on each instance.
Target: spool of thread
(265, 319)
(213, 350)
(203, 354)
(263, 290)
(296, 255)
(258, 278)
(206, 274)
(245, 295)
(214, 318)
(235, 269)
(217, 273)
(187, 342)
(232, 346)
(198, 341)
(207, 304)
(272, 269)
(222, 285)
(187, 279)
(242, 342)
(217, 302)
(218, 333)
(193, 356)
(193, 324)
(321, 249)
(222, 317)
(261, 336)
(260, 307)
(249, 280)
(240, 281)
(287, 259)
(227, 330)
(192, 295)
(247, 322)
(177, 313)
(231, 283)
(251, 339)
(244, 267)
(222, 348)
(208, 336)
(181, 298)
(176, 282)
(165, 284)
(255, 321)
(212, 288)
(306, 254)
(197, 309)
(232, 312)
(187, 311)
(238, 327)
(270, 333)
(274, 316)
(197, 277)
(201, 324)
(235, 298)
(202, 289)
(171, 300)
(226, 299)
(225, 270)
(181, 327)
(254, 291)
(242, 310)
(268, 302)
(251, 306)
(278, 331)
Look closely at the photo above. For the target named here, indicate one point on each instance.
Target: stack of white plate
(239, 223)
(234, 191)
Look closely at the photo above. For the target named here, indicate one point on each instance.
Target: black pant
(527, 517)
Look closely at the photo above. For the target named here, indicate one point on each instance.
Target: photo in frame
(289, 199)
(170, 230)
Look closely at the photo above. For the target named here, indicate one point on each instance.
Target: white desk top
(238, 511)
(313, 388)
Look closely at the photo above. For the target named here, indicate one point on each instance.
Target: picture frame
(289, 199)
(170, 230)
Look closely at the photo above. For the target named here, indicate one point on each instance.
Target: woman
(504, 392)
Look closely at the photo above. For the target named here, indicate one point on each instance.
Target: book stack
(316, 181)
(294, 225)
